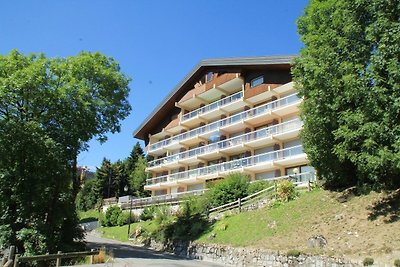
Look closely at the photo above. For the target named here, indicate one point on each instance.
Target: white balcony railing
(234, 141)
(233, 165)
(213, 106)
(214, 126)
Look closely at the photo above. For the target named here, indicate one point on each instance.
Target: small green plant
(397, 263)
(147, 213)
(286, 191)
(293, 253)
(368, 261)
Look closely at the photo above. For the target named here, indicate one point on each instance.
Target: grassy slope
(121, 232)
(88, 216)
(346, 226)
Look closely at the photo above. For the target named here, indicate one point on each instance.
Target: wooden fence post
(91, 257)
(58, 261)
(240, 204)
(12, 254)
(16, 261)
(3, 260)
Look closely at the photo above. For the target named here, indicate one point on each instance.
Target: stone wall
(248, 256)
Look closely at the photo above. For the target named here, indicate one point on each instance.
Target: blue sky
(156, 42)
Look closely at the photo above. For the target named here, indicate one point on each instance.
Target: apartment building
(227, 115)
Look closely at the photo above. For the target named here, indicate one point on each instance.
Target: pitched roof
(169, 100)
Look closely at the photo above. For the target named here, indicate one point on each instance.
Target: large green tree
(349, 75)
(49, 109)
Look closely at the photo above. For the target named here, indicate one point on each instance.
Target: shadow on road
(128, 251)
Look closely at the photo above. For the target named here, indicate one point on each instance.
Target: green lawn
(88, 216)
(121, 232)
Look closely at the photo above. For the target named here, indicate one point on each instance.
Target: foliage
(49, 109)
(188, 224)
(231, 188)
(257, 186)
(137, 178)
(286, 191)
(133, 158)
(396, 263)
(86, 198)
(368, 261)
(113, 217)
(349, 75)
(147, 213)
(123, 219)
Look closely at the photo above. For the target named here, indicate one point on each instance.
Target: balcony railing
(229, 166)
(213, 106)
(227, 121)
(237, 140)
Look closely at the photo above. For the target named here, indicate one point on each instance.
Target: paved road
(128, 255)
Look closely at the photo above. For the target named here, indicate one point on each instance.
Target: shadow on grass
(88, 219)
(389, 207)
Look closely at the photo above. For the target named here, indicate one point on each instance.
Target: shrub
(397, 263)
(286, 191)
(258, 186)
(293, 253)
(123, 218)
(110, 218)
(368, 261)
(162, 214)
(234, 186)
(147, 213)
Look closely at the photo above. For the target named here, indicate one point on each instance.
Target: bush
(123, 218)
(286, 191)
(147, 213)
(293, 253)
(368, 261)
(110, 218)
(397, 263)
(231, 188)
(257, 186)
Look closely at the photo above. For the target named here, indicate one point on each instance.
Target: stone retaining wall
(247, 256)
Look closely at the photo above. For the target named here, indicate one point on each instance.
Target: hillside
(355, 227)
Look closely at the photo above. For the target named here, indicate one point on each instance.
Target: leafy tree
(49, 110)
(349, 75)
(138, 177)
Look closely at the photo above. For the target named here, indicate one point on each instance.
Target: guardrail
(213, 106)
(290, 99)
(234, 141)
(229, 166)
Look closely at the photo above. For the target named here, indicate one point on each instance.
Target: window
(257, 81)
(209, 76)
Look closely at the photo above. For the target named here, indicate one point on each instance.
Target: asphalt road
(126, 254)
